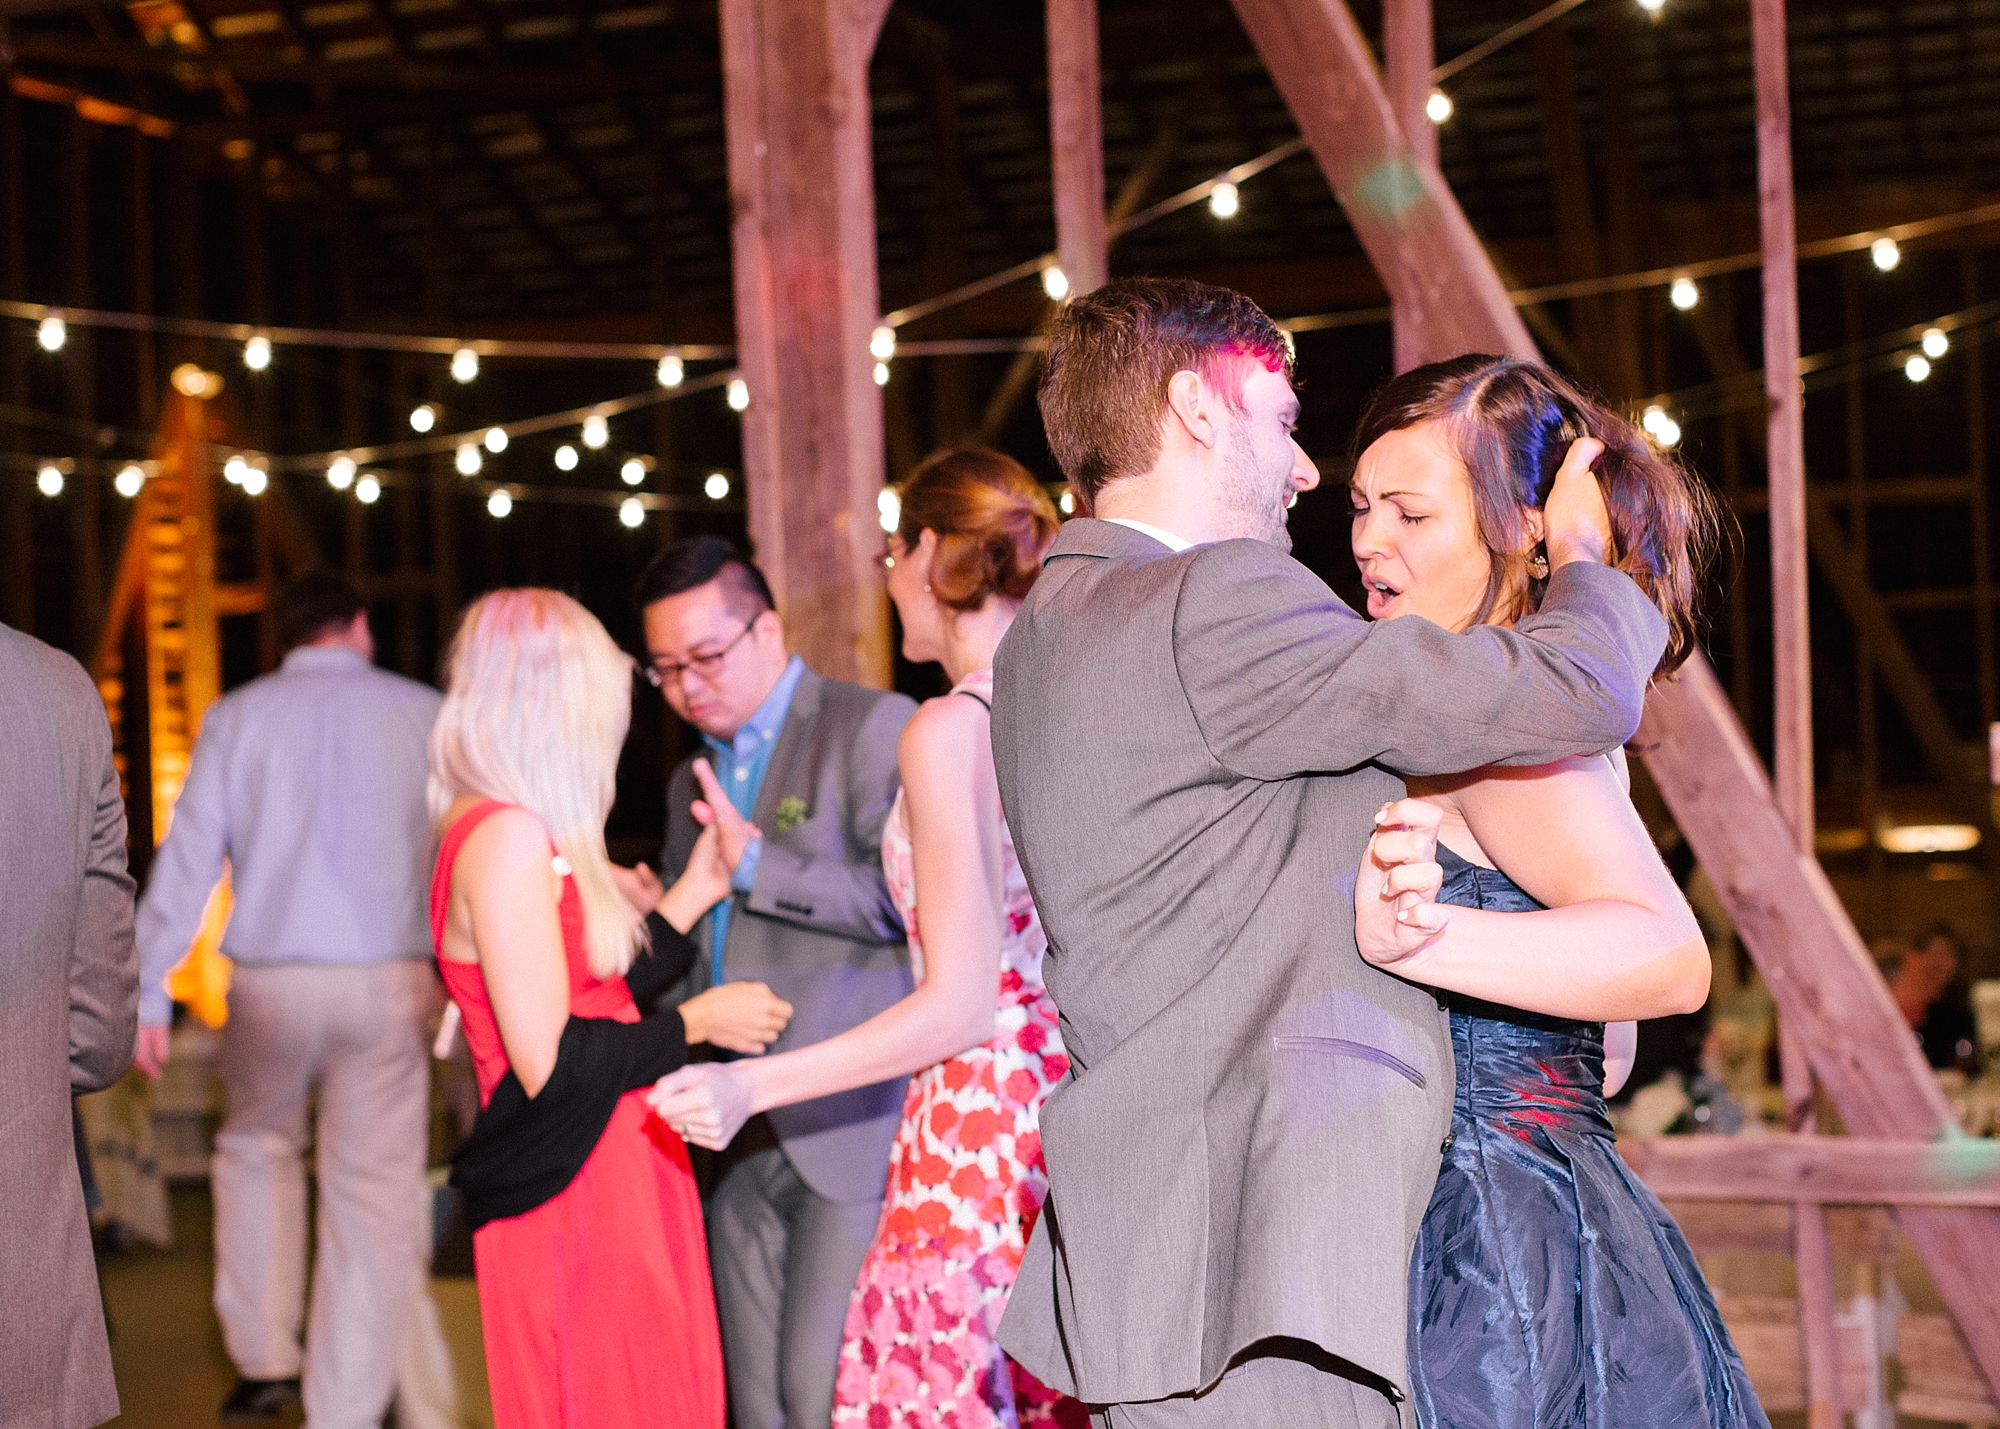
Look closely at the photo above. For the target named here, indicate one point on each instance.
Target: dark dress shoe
(255, 1400)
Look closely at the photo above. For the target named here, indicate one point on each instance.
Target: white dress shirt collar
(1165, 538)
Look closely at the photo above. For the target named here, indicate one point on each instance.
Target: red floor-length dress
(596, 1305)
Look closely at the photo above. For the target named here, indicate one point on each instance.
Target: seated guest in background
(594, 1293)
(965, 1177)
(69, 993)
(799, 775)
(1923, 978)
(310, 783)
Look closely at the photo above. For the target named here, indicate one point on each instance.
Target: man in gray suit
(1192, 734)
(800, 773)
(69, 1010)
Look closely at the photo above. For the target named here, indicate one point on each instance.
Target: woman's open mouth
(1381, 595)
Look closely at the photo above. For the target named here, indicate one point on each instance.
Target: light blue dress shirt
(310, 782)
(741, 765)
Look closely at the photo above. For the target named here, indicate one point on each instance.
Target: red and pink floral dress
(965, 1185)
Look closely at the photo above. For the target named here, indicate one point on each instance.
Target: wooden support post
(1415, 233)
(17, 542)
(1875, 900)
(1409, 54)
(1076, 143)
(801, 178)
(1792, 759)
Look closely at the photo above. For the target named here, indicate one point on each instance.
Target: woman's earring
(1538, 563)
(927, 587)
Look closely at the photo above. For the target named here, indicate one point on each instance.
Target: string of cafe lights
(1224, 198)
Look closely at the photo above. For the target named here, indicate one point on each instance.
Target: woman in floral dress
(965, 1175)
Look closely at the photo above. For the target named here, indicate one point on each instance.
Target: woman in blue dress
(1549, 1288)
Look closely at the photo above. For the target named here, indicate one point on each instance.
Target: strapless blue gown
(1550, 1289)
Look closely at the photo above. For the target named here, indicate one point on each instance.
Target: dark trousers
(784, 1259)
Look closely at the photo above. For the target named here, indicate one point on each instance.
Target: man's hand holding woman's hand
(706, 1103)
(1395, 909)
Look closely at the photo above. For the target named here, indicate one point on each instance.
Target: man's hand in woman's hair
(1395, 892)
(743, 1017)
(1577, 522)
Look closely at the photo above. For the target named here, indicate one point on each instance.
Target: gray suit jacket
(819, 925)
(1190, 753)
(69, 1009)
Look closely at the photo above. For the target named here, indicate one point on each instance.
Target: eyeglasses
(660, 672)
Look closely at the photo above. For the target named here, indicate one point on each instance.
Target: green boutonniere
(791, 812)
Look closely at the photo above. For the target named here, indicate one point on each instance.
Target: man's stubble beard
(1256, 500)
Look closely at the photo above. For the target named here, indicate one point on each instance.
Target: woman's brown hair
(1511, 423)
(993, 523)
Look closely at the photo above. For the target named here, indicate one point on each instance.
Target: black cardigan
(523, 1150)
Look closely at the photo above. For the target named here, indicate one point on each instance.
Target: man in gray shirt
(310, 783)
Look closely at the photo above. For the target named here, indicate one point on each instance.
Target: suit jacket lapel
(792, 740)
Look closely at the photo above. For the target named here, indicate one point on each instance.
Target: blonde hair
(537, 701)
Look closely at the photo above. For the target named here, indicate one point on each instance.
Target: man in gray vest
(1240, 1159)
(800, 773)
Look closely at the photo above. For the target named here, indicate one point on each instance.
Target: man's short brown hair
(1112, 354)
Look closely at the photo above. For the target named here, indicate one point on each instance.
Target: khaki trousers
(354, 1035)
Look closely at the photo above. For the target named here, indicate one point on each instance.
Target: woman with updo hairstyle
(1548, 1286)
(979, 1032)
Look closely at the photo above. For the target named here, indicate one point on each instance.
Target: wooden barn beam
(1076, 143)
(1409, 54)
(1414, 232)
(1818, 971)
(802, 184)
(1820, 1170)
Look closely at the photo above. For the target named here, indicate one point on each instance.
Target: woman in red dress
(593, 1278)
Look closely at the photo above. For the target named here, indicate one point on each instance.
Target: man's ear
(1191, 408)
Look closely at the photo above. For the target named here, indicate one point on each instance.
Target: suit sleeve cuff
(745, 877)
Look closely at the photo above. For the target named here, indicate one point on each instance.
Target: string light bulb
(1055, 283)
(889, 509)
(1652, 7)
(716, 487)
(631, 513)
(499, 504)
(496, 440)
(882, 343)
(255, 479)
(633, 471)
(1067, 501)
(368, 491)
(340, 472)
(233, 470)
(672, 371)
(1684, 294)
(881, 374)
(596, 431)
(738, 393)
(52, 334)
(257, 353)
(423, 418)
(467, 461)
(1438, 107)
(566, 457)
(1885, 254)
(49, 479)
(1936, 344)
(1917, 368)
(464, 365)
(1223, 200)
(1664, 430)
(130, 481)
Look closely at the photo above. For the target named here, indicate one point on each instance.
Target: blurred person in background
(69, 987)
(1923, 978)
(309, 785)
